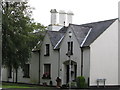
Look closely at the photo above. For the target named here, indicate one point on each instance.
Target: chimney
(62, 17)
(53, 16)
(69, 17)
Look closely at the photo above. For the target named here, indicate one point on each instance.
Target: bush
(73, 85)
(81, 82)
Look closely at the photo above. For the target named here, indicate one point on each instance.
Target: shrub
(81, 82)
(73, 85)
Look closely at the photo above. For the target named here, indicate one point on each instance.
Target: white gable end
(104, 56)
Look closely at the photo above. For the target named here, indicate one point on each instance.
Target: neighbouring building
(93, 50)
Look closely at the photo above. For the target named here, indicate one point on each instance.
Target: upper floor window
(70, 47)
(47, 49)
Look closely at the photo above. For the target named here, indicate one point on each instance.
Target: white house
(93, 49)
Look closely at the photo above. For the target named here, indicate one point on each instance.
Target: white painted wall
(4, 74)
(19, 79)
(119, 43)
(52, 59)
(86, 63)
(34, 68)
(75, 57)
(33, 72)
(119, 48)
(104, 56)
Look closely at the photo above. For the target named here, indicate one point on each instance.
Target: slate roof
(55, 36)
(81, 31)
(63, 29)
(97, 29)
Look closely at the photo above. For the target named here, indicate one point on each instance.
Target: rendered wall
(86, 63)
(76, 57)
(119, 42)
(51, 59)
(34, 68)
(104, 57)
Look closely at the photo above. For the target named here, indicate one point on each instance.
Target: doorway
(73, 70)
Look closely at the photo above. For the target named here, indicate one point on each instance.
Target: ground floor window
(47, 71)
(26, 71)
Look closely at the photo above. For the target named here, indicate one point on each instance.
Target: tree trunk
(13, 74)
(16, 75)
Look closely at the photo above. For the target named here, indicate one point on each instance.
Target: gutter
(81, 61)
(39, 68)
(59, 63)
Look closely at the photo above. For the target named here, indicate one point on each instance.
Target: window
(70, 47)
(47, 50)
(26, 71)
(47, 71)
(10, 72)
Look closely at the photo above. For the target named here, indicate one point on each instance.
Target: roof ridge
(93, 22)
(100, 21)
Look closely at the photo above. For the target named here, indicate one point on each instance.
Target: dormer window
(47, 50)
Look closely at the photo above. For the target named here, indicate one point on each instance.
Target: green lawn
(15, 85)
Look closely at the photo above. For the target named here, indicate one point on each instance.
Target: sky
(85, 11)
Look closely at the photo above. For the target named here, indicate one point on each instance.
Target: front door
(73, 72)
(67, 73)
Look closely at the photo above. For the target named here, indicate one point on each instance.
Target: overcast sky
(85, 11)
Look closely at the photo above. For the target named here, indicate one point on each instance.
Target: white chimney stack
(53, 16)
(62, 17)
(69, 17)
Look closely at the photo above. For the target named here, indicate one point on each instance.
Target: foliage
(17, 34)
(81, 82)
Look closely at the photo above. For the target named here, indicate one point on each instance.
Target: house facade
(91, 48)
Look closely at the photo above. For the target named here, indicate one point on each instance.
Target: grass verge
(15, 85)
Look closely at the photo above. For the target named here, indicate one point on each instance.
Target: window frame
(47, 49)
(70, 47)
(28, 71)
(46, 72)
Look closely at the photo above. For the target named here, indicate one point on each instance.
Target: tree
(17, 27)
